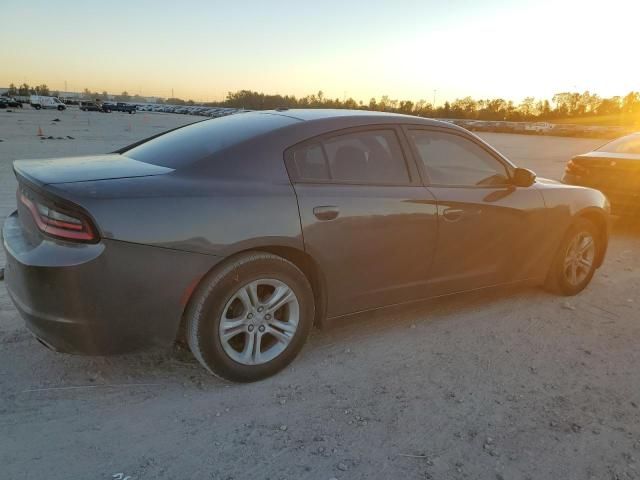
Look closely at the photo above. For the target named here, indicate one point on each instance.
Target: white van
(41, 101)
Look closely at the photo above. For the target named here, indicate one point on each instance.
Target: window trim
(508, 166)
(413, 176)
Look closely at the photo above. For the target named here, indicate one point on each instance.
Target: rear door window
(310, 163)
(371, 157)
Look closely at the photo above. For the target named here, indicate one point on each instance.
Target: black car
(240, 233)
(109, 107)
(614, 168)
(92, 107)
(8, 102)
(119, 107)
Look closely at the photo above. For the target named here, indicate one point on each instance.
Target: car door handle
(452, 214)
(326, 212)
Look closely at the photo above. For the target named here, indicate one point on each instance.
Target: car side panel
(203, 215)
(378, 250)
(498, 236)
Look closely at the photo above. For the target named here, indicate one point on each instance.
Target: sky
(406, 49)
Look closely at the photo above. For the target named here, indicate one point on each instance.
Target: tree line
(562, 105)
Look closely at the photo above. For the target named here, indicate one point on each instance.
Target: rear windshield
(200, 140)
(628, 144)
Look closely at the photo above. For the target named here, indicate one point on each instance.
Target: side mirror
(523, 177)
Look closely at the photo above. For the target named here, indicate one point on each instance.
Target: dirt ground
(513, 384)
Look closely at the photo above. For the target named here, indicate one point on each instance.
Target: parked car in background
(92, 107)
(10, 102)
(109, 106)
(269, 222)
(538, 127)
(42, 101)
(614, 169)
(125, 107)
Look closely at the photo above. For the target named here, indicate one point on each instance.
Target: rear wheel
(575, 262)
(249, 319)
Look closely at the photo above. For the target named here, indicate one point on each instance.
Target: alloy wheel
(579, 258)
(259, 321)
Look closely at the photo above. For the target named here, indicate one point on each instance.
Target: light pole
(434, 97)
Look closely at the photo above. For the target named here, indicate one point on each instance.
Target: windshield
(628, 144)
(200, 140)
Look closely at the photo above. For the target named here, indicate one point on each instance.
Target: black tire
(60, 108)
(206, 308)
(37, 107)
(557, 281)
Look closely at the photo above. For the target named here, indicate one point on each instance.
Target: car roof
(310, 114)
(336, 119)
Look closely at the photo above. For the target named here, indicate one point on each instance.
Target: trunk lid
(53, 171)
(607, 171)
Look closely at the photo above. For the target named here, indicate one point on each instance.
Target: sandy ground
(513, 384)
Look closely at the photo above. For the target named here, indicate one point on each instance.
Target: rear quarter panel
(238, 201)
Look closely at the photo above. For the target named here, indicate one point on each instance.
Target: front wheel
(249, 319)
(575, 262)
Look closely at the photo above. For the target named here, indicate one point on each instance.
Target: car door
(366, 217)
(489, 230)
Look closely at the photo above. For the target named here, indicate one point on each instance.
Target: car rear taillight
(575, 168)
(57, 222)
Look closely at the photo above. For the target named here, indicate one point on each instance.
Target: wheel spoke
(247, 354)
(281, 296)
(232, 332)
(585, 245)
(574, 274)
(279, 336)
(231, 323)
(248, 295)
(284, 326)
(585, 263)
(257, 354)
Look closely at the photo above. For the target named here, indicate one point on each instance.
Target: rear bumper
(623, 202)
(109, 297)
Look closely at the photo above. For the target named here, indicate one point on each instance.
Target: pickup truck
(121, 107)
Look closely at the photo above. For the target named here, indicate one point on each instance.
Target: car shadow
(440, 309)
